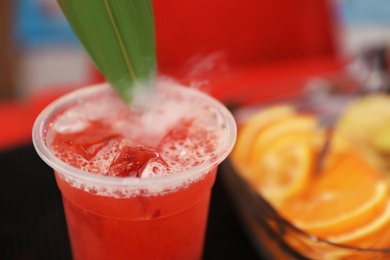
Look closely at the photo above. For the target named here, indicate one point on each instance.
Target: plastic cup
(135, 218)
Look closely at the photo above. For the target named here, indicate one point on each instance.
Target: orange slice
(275, 152)
(251, 128)
(270, 134)
(375, 234)
(347, 196)
(284, 168)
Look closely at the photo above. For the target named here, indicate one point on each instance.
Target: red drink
(135, 185)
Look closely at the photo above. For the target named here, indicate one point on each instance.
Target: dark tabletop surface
(32, 223)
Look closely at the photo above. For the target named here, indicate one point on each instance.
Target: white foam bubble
(154, 168)
(70, 122)
(162, 113)
(75, 118)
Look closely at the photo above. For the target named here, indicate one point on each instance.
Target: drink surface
(173, 134)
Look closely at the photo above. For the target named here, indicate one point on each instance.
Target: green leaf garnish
(119, 36)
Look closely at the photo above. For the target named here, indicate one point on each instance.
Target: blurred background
(201, 40)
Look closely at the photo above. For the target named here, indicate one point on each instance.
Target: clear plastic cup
(161, 217)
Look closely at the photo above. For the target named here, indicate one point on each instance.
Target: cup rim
(39, 132)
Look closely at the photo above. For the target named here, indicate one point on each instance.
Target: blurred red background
(220, 46)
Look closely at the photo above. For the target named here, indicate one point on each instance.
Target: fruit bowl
(289, 218)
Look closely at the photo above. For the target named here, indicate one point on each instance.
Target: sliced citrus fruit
(375, 234)
(284, 168)
(366, 123)
(343, 142)
(355, 210)
(273, 131)
(275, 152)
(348, 170)
(251, 128)
(348, 195)
(363, 117)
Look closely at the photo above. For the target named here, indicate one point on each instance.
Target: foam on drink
(185, 131)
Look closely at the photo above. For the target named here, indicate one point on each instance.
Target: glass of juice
(296, 204)
(135, 184)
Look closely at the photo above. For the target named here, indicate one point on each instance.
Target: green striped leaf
(119, 36)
